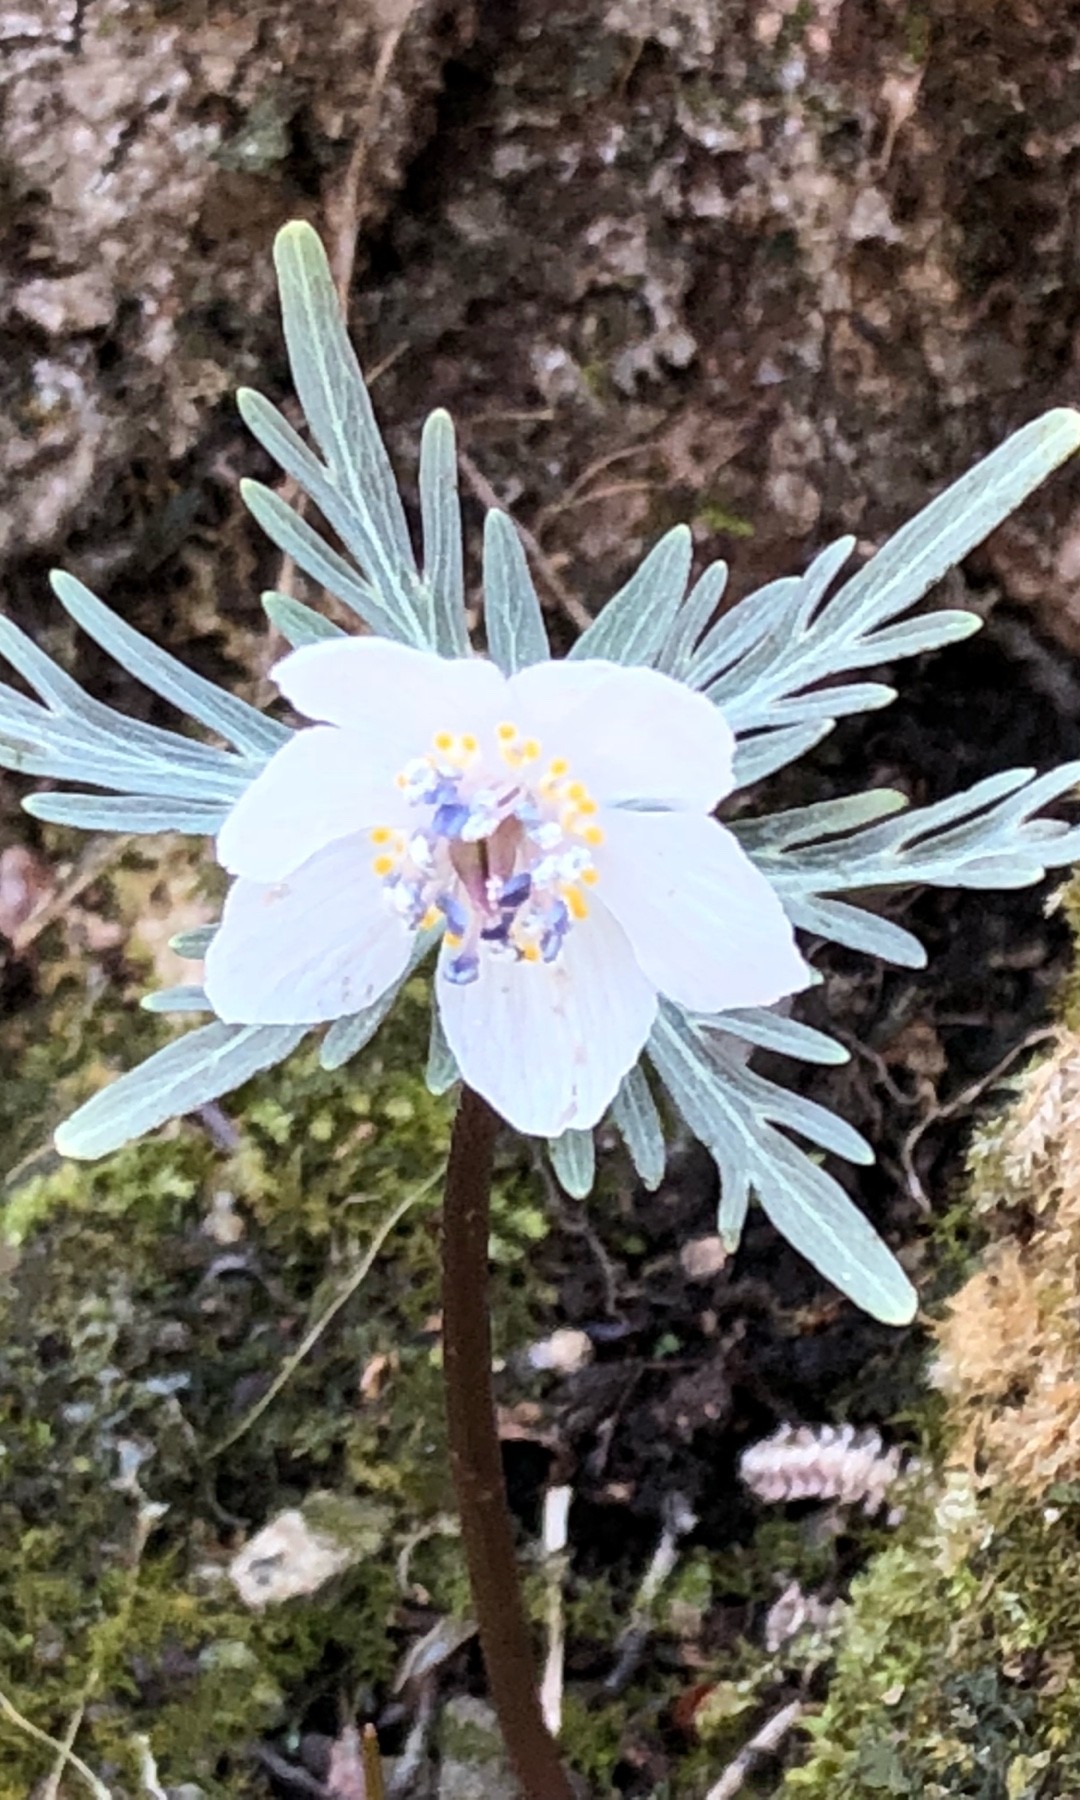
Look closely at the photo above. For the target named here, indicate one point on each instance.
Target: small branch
(99, 855)
(312, 1336)
(476, 1461)
(678, 1520)
(373, 1775)
(763, 1743)
(553, 1546)
(10, 1712)
(967, 1097)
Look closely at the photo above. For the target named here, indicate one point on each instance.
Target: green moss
(958, 1673)
(717, 517)
(135, 1344)
(592, 1737)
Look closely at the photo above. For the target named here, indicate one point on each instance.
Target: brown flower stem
(475, 1459)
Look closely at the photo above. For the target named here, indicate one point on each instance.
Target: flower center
(501, 849)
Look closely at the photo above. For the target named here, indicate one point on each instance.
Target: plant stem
(475, 1458)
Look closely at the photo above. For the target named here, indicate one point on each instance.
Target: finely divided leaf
(346, 1037)
(240, 724)
(440, 519)
(442, 1070)
(573, 1158)
(186, 998)
(760, 659)
(197, 1068)
(332, 390)
(75, 738)
(985, 836)
(362, 504)
(633, 625)
(515, 625)
(127, 812)
(772, 1031)
(638, 1122)
(296, 538)
(195, 943)
(297, 623)
(676, 653)
(735, 1112)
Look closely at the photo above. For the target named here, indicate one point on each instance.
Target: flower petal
(392, 697)
(548, 1043)
(705, 925)
(630, 734)
(316, 946)
(318, 787)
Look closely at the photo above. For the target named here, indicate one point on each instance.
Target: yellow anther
(577, 791)
(505, 733)
(469, 744)
(593, 834)
(557, 766)
(451, 940)
(430, 918)
(590, 877)
(401, 781)
(383, 865)
(586, 807)
(444, 740)
(381, 834)
(576, 903)
(530, 953)
(530, 749)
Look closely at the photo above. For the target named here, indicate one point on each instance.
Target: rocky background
(780, 270)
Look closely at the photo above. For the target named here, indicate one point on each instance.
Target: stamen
(457, 919)
(514, 891)
(502, 858)
(450, 820)
(463, 969)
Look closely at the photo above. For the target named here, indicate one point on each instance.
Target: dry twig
(763, 1743)
(344, 1293)
(959, 1103)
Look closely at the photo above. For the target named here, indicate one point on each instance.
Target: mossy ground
(959, 1671)
(146, 1303)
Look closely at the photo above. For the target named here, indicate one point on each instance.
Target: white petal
(628, 733)
(318, 945)
(548, 1043)
(317, 788)
(392, 697)
(704, 923)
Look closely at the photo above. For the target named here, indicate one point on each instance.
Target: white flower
(557, 821)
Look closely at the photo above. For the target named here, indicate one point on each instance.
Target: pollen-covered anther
(499, 850)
